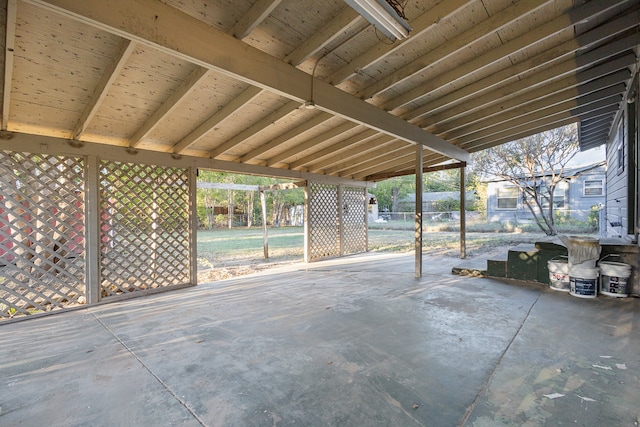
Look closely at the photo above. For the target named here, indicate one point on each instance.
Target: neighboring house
(582, 189)
(436, 202)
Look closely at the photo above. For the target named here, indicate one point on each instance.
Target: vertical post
(340, 221)
(366, 220)
(92, 230)
(463, 213)
(307, 226)
(193, 225)
(418, 216)
(265, 237)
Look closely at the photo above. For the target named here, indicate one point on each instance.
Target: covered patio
(351, 341)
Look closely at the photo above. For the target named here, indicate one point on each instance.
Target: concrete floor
(353, 342)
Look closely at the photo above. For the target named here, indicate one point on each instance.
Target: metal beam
(162, 27)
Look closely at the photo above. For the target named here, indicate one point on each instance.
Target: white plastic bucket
(559, 274)
(583, 281)
(614, 278)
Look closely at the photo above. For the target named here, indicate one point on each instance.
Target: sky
(590, 156)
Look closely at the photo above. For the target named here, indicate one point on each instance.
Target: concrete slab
(355, 341)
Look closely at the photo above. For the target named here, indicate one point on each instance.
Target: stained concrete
(354, 342)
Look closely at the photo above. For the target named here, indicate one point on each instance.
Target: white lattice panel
(354, 226)
(42, 227)
(324, 231)
(144, 227)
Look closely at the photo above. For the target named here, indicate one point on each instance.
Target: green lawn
(224, 247)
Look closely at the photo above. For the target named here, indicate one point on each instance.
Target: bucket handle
(607, 256)
(559, 257)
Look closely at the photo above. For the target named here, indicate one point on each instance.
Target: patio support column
(307, 228)
(463, 210)
(265, 236)
(193, 225)
(418, 217)
(92, 232)
(340, 222)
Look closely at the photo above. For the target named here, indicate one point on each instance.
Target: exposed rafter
(157, 25)
(250, 20)
(10, 34)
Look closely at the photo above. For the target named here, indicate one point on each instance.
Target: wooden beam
(285, 186)
(61, 146)
(327, 34)
(562, 101)
(550, 93)
(419, 26)
(10, 35)
(365, 158)
(310, 143)
(442, 52)
(425, 169)
(463, 215)
(252, 130)
(286, 136)
(543, 82)
(260, 10)
(333, 149)
(169, 105)
(575, 16)
(100, 91)
(358, 153)
(228, 186)
(161, 26)
(238, 102)
(418, 214)
(516, 72)
(265, 229)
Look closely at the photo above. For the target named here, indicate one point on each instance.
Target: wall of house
(577, 205)
(579, 201)
(617, 199)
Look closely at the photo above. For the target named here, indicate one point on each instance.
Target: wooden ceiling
(309, 85)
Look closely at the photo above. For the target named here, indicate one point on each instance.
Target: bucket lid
(586, 273)
(619, 269)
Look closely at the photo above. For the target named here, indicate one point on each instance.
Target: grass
(238, 246)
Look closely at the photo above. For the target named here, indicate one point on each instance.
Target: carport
(349, 341)
(110, 108)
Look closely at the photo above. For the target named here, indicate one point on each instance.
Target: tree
(535, 165)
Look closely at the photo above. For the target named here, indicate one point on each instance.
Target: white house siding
(617, 180)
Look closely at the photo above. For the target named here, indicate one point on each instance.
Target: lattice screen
(41, 233)
(144, 228)
(324, 227)
(354, 226)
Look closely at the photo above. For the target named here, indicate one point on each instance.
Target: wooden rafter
(238, 102)
(587, 11)
(477, 32)
(100, 92)
(310, 143)
(252, 130)
(250, 20)
(383, 49)
(183, 91)
(10, 34)
(157, 25)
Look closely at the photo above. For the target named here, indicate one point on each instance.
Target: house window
(507, 198)
(593, 187)
(558, 200)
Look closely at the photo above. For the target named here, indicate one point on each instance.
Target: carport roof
(233, 80)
